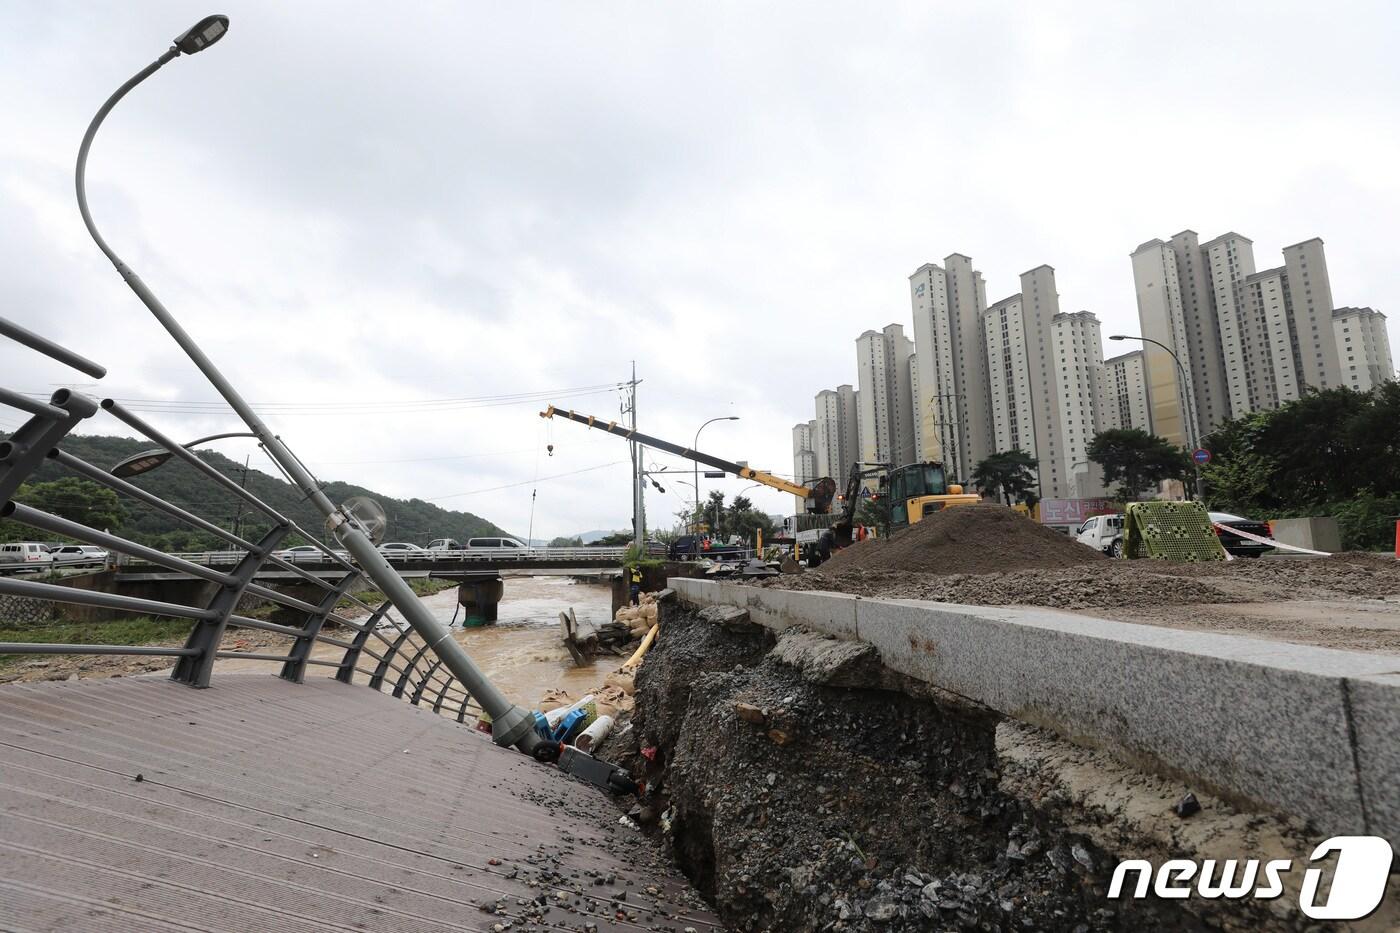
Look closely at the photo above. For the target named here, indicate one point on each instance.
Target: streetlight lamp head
(732, 418)
(202, 34)
(137, 464)
(1117, 337)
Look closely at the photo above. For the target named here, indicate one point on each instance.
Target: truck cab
(1102, 533)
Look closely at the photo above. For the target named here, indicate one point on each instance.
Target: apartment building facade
(1363, 348)
(836, 436)
(885, 408)
(1126, 403)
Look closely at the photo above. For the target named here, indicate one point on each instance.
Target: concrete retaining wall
(1313, 732)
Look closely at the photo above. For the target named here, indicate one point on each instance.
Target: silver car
(78, 555)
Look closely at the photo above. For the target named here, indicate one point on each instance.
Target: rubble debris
(1187, 806)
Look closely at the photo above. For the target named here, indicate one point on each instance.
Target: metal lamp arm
(80, 174)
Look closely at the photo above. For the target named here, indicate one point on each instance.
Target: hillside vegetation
(55, 489)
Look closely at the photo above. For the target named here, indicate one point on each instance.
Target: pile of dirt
(983, 538)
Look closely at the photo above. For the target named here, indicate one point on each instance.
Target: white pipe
(594, 734)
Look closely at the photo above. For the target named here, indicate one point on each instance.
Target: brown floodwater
(522, 653)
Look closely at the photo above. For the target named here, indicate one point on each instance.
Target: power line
(214, 406)
(476, 492)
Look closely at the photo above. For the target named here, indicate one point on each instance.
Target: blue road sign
(1201, 456)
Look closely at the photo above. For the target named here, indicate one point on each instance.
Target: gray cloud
(354, 202)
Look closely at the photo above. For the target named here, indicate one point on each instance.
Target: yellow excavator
(914, 491)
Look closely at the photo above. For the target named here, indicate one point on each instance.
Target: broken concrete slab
(833, 613)
(832, 662)
(730, 617)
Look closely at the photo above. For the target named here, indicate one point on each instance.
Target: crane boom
(820, 492)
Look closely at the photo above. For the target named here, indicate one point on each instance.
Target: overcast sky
(355, 204)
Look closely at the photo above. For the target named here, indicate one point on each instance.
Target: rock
(779, 737)
(1081, 855)
(789, 565)
(1187, 806)
(883, 909)
(750, 713)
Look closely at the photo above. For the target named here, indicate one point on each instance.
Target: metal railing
(331, 627)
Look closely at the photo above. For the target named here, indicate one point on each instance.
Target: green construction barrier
(1177, 531)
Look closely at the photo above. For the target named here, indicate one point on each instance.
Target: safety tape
(1270, 541)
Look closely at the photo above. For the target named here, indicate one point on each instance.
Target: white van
(25, 555)
(498, 547)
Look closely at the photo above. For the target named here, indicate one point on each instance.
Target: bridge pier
(479, 596)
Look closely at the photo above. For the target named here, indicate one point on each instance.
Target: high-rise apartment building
(836, 438)
(1229, 260)
(967, 302)
(1009, 377)
(952, 405)
(886, 417)
(936, 418)
(1162, 318)
(1245, 339)
(804, 458)
(1363, 348)
(1126, 404)
(1079, 394)
(1040, 302)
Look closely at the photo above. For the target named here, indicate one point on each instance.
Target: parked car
(1241, 547)
(303, 554)
(401, 550)
(78, 555)
(1102, 533)
(499, 548)
(445, 544)
(692, 547)
(25, 555)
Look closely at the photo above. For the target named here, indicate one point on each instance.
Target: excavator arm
(819, 494)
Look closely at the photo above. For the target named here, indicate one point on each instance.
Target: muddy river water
(522, 653)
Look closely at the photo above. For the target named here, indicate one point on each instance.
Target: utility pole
(639, 521)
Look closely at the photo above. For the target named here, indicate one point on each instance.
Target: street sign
(1201, 456)
(714, 474)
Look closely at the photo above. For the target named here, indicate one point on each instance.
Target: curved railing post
(382, 668)
(196, 669)
(346, 674)
(295, 668)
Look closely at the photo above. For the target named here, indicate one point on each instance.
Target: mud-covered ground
(1349, 601)
(806, 794)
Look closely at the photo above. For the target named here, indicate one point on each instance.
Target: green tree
(1334, 452)
(77, 500)
(874, 512)
(566, 542)
(1136, 460)
(1010, 474)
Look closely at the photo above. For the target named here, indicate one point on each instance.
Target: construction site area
(861, 747)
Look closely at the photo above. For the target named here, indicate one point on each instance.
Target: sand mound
(984, 538)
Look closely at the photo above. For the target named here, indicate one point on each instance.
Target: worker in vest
(634, 579)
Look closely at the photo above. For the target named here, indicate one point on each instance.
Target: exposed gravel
(794, 806)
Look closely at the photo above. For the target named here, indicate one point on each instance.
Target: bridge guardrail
(336, 630)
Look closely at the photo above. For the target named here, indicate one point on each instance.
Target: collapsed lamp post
(511, 725)
(148, 460)
(1188, 410)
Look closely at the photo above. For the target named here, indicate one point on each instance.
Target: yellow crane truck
(913, 491)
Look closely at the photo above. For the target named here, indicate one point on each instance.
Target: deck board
(266, 805)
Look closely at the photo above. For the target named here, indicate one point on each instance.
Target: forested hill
(56, 489)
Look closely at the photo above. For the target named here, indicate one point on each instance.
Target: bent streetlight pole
(696, 446)
(511, 725)
(1187, 410)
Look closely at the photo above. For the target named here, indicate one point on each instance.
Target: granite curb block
(832, 613)
(1314, 732)
(1375, 708)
